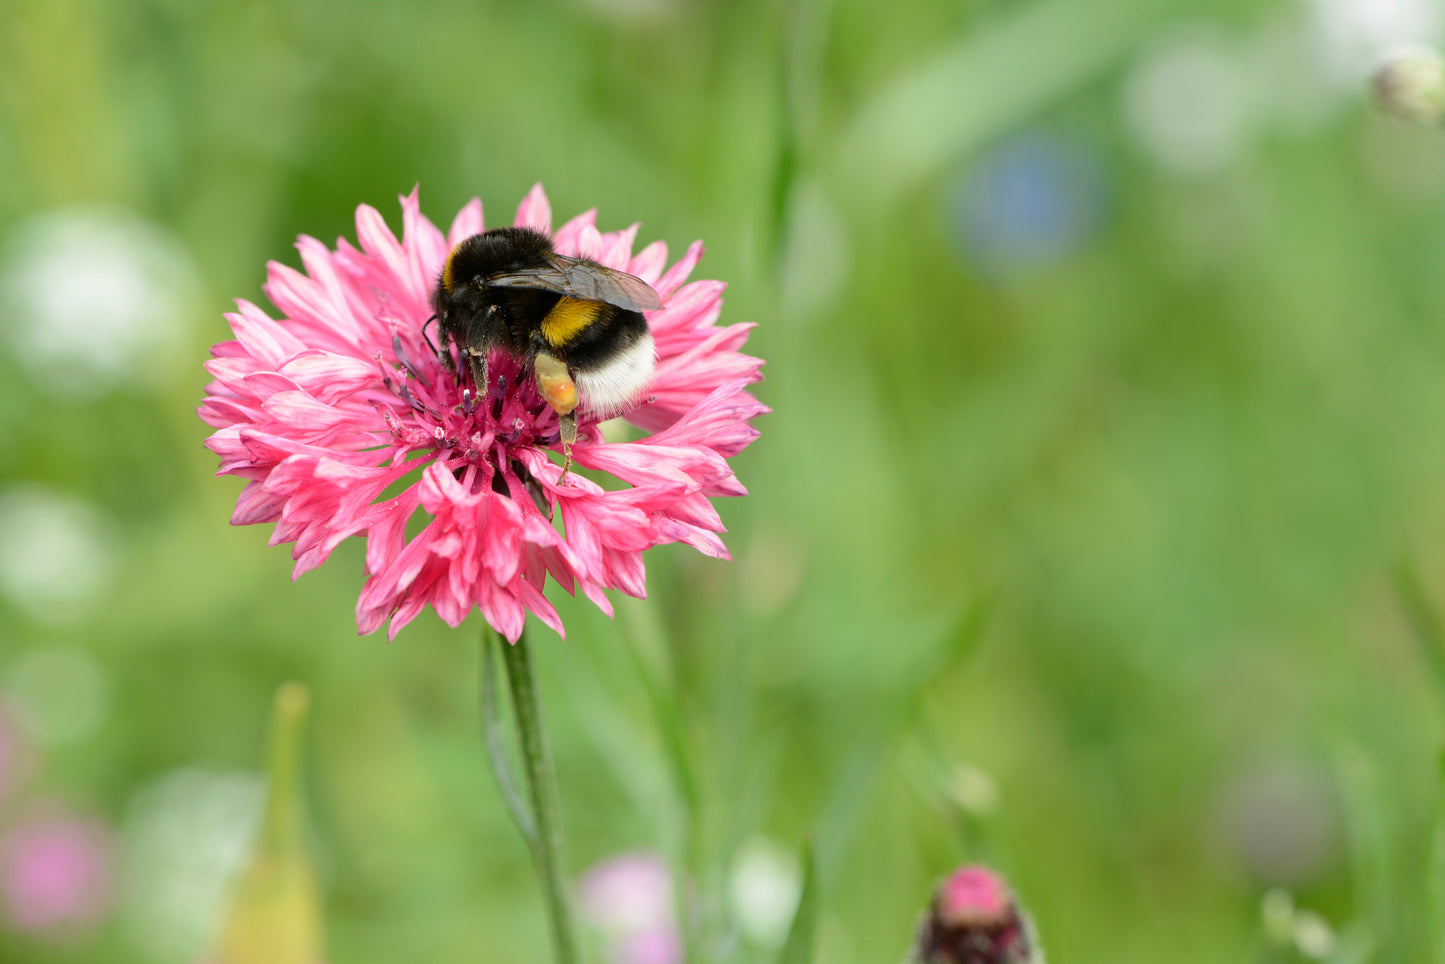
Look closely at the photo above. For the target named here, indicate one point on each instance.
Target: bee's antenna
(428, 337)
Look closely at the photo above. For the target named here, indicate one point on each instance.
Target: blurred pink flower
(628, 900)
(974, 920)
(326, 411)
(972, 894)
(659, 945)
(55, 873)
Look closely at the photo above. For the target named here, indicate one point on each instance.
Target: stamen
(407, 397)
(501, 394)
(405, 360)
(392, 423)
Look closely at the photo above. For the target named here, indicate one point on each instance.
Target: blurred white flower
(764, 887)
(973, 790)
(188, 832)
(91, 299)
(58, 694)
(1286, 924)
(56, 556)
(1354, 35)
(1187, 101)
(1313, 935)
(1276, 910)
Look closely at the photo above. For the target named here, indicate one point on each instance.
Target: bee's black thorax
(473, 315)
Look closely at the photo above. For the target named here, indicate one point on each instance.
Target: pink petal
(469, 221)
(649, 262)
(566, 238)
(679, 272)
(617, 248)
(535, 211)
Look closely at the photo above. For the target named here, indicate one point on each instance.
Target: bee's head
(494, 252)
(461, 289)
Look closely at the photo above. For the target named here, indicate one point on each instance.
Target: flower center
(440, 410)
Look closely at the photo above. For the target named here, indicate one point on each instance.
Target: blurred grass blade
(497, 741)
(276, 914)
(962, 644)
(799, 72)
(798, 948)
(646, 650)
(1424, 621)
(849, 796)
(995, 77)
(1435, 879)
(1368, 828)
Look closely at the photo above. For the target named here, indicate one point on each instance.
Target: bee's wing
(586, 280)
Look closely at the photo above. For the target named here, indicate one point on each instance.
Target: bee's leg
(476, 344)
(478, 362)
(568, 425)
(560, 392)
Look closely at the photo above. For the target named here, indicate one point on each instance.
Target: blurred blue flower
(1029, 202)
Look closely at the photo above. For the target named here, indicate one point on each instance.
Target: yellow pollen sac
(568, 317)
(556, 386)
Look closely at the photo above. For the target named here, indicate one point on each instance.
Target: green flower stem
(545, 838)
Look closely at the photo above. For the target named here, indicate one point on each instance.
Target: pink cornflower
(327, 410)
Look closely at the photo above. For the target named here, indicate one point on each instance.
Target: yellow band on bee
(446, 282)
(568, 317)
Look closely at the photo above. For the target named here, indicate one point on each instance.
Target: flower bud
(974, 920)
(1410, 85)
(275, 917)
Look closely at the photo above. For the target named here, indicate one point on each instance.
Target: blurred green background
(1096, 532)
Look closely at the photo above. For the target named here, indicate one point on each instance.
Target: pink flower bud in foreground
(974, 920)
(56, 873)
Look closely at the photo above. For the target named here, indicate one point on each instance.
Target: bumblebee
(577, 323)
